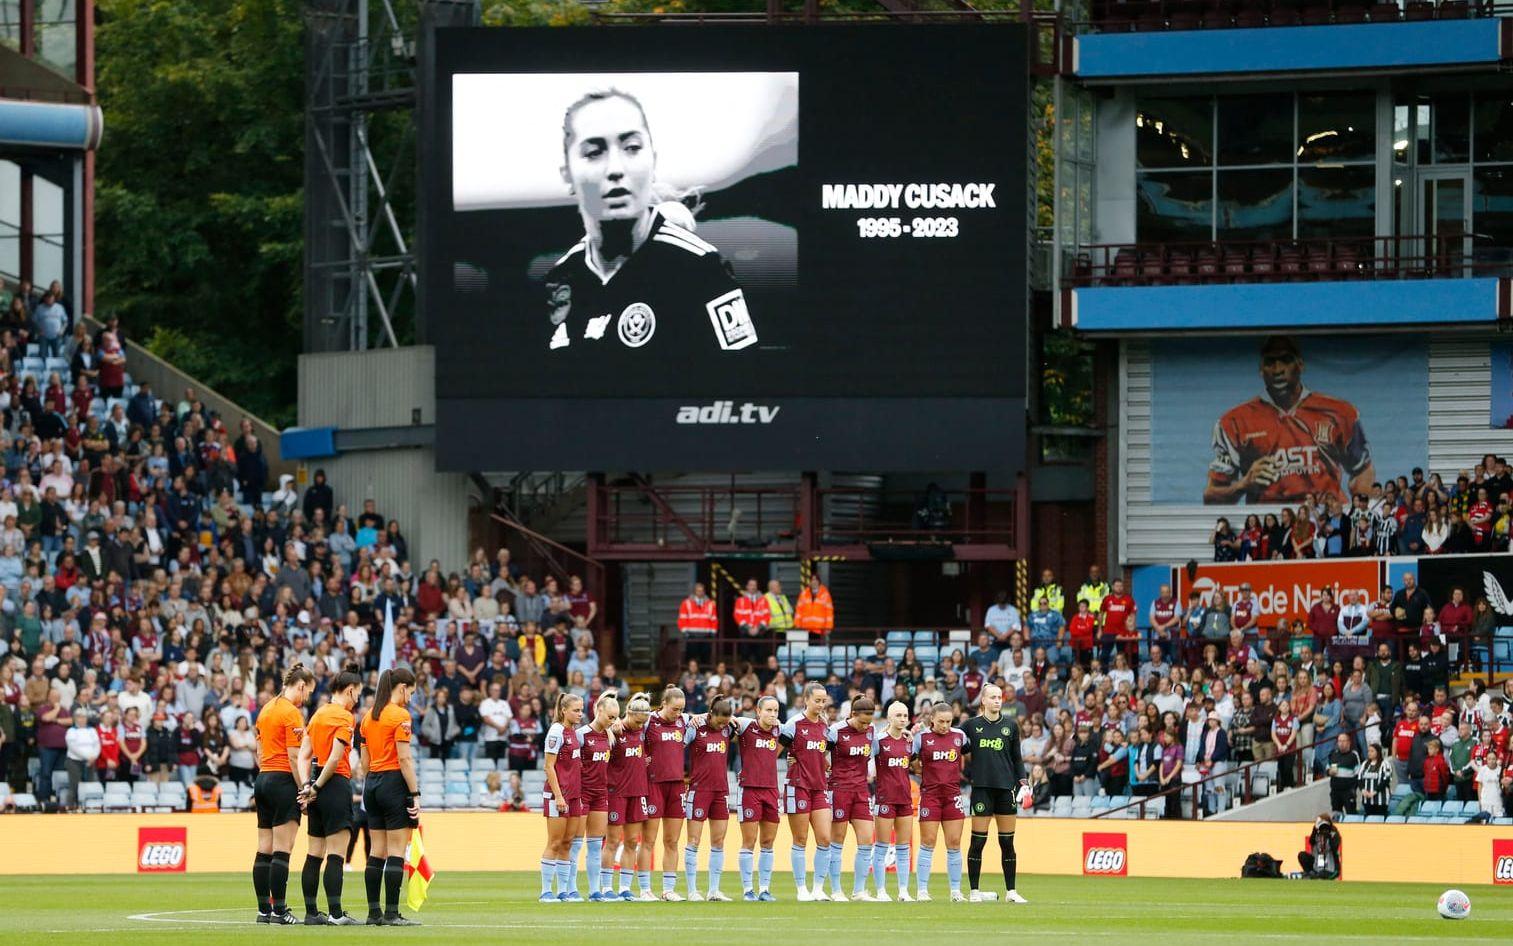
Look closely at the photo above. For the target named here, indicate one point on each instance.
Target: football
(1454, 905)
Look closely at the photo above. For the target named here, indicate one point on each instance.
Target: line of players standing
(617, 781)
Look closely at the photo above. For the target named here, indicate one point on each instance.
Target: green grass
(480, 907)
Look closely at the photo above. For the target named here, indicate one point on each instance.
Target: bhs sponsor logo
(162, 850)
(1105, 854)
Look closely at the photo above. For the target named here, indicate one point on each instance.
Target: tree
(199, 210)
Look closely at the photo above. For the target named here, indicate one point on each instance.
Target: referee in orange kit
(275, 794)
(391, 793)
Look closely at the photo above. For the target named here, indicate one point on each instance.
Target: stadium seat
(1451, 807)
(1420, 819)
(433, 799)
(1061, 806)
(1375, 819)
(1496, 821)
(1397, 819)
(432, 765)
(481, 764)
(456, 786)
(902, 638)
(458, 800)
(456, 765)
(927, 654)
(1430, 808)
(1101, 803)
(91, 795)
(26, 801)
(1399, 791)
(1352, 819)
(1470, 809)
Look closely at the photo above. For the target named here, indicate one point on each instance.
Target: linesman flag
(418, 869)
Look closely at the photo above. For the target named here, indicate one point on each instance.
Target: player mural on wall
(1290, 441)
(639, 261)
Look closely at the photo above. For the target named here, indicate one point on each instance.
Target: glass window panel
(1492, 210)
(1255, 129)
(1255, 205)
(55, 35)
(1452, 128)
(1085, 147)
(1174, 133)
(1172, 208)
(47, 229)
(10, 23)
(1085, 206)
(1336, 203)
(1494, 127)
(1337, 127)
(1402, 131)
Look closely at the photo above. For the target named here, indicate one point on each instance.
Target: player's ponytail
(350, 676)
(639, 703)
(387, 680)
(296, 675)
(608, 696)
(563, 700)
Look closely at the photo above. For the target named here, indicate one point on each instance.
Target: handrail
(1247, 768)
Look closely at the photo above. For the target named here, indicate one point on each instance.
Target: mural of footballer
(1289, 442)
(639, 278)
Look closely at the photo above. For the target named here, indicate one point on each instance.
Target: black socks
(335, 864)
(278, 881)
(1010, 862)
(309, 883)
(260, 865)
(394, 875)
(374, 875)
(974, 857)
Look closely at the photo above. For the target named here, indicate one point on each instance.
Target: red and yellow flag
(418, 869)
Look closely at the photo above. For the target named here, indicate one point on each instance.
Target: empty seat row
(1219, 263)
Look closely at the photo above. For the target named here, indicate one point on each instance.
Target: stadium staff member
(996, 772)
(275, 794)
(328, 796)
(816, 611)
(1094, 590)
(391, 793)
(698, 621)
(752, 616)
(1050, 590)
(779, 608)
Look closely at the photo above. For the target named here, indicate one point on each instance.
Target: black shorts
(386, 797)
(993, 801)
(331, 812)
(276, 799)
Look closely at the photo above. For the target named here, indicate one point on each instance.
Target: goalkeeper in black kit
(999, 786)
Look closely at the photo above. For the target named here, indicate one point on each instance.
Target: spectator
(1436, 775)
(1409, 603)
(1002, 620)
(1165, 615)
(815, 612)
(1225, 541)
(51, 321)
(1048, 630)
(242, 758)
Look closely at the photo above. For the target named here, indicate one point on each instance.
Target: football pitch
(488, 907)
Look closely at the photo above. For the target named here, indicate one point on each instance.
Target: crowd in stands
(152, 592)
(1411, 515)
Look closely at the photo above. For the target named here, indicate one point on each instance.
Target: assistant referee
(391, 793)
(996, 771)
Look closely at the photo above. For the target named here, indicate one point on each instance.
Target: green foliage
(1066, 377)
(199, 210)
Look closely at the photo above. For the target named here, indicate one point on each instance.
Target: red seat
(1316, 12)
(1385, 13)
(1207, 264)
(1453, 9)
(1289, 260)
(1419, 10)
(1234, 262)
(1124, 267)
(1180, 266)
(1263, 261)
(1153, 267)
(1350, 11)
(1318, 260)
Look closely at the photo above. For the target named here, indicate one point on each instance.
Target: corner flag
(418, 869)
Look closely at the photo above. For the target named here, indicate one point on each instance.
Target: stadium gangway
(1246, 774)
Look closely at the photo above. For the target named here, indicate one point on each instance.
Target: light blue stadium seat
(1400, 790)
(1352, 819)
(1101, 803)
(841, 656)
(456, 787)
(33, 350)
(1397, 819)
(1502, 821)
(1451, 807)
(1470, 809)
(1420, 819)
(902, 638)
(896, 651)
(1375, 819)
(927, 653)
(926, 639)
(1430, 808)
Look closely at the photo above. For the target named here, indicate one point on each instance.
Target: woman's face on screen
(610, 163)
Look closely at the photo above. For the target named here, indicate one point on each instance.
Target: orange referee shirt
(383, 735)
(280, 727)
(329, 724)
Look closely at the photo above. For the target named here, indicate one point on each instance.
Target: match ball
(1454, 905)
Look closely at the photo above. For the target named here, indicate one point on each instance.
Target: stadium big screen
(721, 248)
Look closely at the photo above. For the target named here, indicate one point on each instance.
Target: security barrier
(457, 841)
